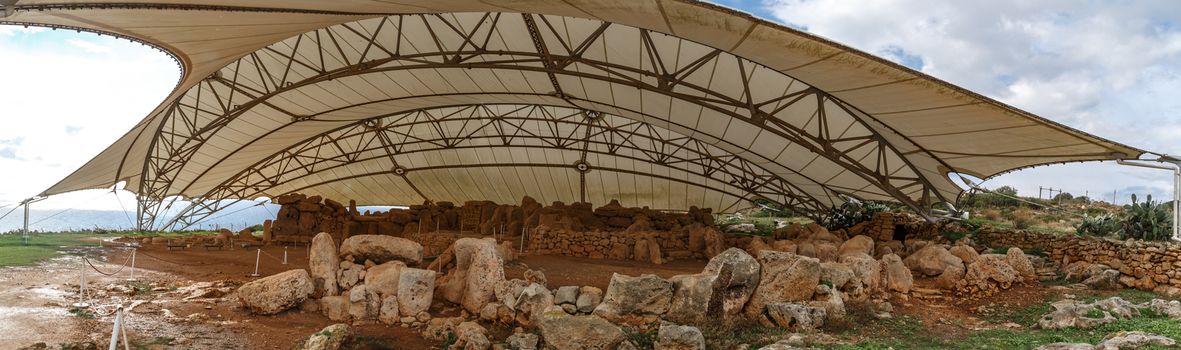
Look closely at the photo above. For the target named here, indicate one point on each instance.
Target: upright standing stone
(323, 263)
(416, 289)
(784, 277)
(266, 231)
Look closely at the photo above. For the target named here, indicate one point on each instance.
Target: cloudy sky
(1112, 68)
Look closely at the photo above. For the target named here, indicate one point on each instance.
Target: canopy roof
(660, 103)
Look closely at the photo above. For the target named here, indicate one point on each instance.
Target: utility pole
(25, 229)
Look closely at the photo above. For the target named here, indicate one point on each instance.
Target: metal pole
(257, 255)
(25, 231)
(285, 254)
(1176, 168)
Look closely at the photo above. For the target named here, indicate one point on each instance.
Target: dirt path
(38, 305)
(183, 298)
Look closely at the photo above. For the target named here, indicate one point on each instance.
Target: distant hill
(50, 220)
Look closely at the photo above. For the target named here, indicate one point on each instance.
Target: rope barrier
(104, 273)
(167, 261)
(271, 256)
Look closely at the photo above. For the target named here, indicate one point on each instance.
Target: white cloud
(65, 105)
(1109, 68)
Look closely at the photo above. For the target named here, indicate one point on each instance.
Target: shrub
(991, 214)
(1101, 225)
(850, 214)
(953, 236)
(1148, 221)
(1022, 218)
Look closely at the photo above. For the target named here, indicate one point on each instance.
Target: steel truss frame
(193, 119)
(389, 137)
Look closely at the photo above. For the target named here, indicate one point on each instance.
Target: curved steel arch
(393, 136)
(221, 98)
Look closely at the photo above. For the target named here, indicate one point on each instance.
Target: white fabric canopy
(660, 103)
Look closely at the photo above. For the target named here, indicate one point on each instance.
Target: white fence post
(257, 255)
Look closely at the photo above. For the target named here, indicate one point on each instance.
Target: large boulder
(1106, 280)
(323, 263)
(416, 288)
(522, 341)
(1074, 314)
(1082, 270)
(562, 331)
(273, 294)
(381, 248)
(831, 301)
(738, 276)
(674, 337)
(1021, 264)
(475, 271)
(837, 274)
(691, 297)
(795, 316)
(858, 244)
(336, 308)
(330, 338)
(1133, 340)
(783, 277)
(826, 251)
(383, 279)
(714, 242)
(645, 297)
(932, 260)
(991, 271)
(867, 274)
(965, 253)
(532, 303)
(897, 276)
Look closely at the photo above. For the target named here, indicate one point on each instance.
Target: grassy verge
(41, 246)
(905, 332)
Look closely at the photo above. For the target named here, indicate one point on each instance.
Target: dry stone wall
(553, 228)
(1142, 265)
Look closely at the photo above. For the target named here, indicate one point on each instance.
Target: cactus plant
(1149, 220)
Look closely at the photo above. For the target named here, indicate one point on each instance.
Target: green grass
(905, 332)
(1025, 316)
(41, 246)
(83, 313)
(913, 336)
